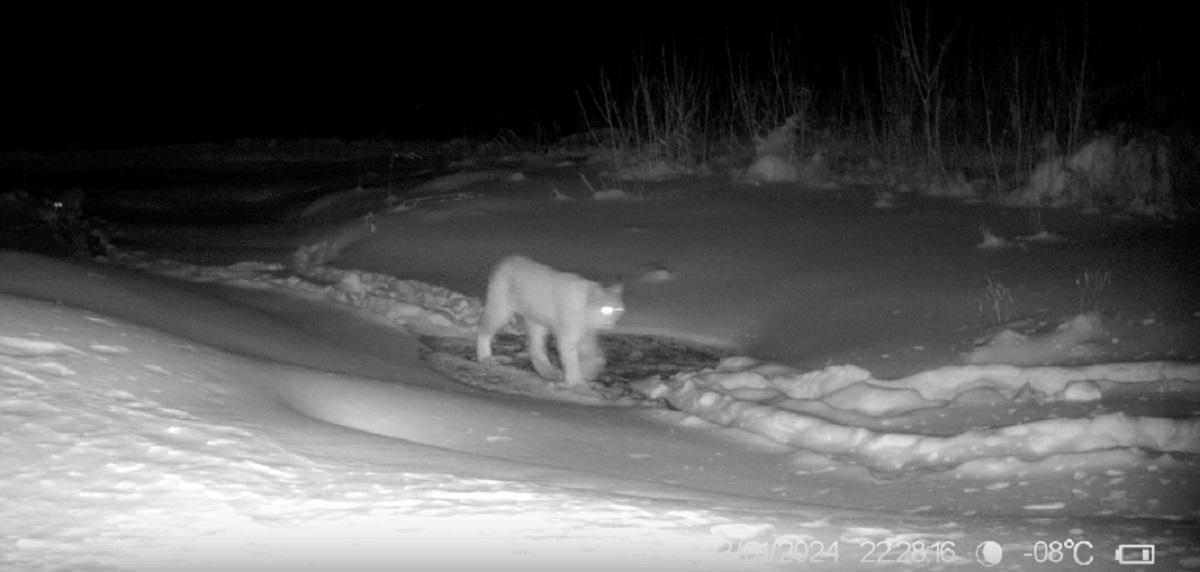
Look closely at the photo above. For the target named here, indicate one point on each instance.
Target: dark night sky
(212, 74)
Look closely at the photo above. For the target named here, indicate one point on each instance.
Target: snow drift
(823, 411)
(1136, 175)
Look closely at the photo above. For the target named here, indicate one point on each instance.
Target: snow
(1078, 337)
(775, 160)
(160, 453)
(1133, 174)
(159, 413)
(820, 411)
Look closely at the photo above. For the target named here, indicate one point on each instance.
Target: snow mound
(774, 169)
(426, 308)
(611, 195)
(1076, 339)
(1134, 175)
(1043, 236)
(656, 276)
(885, 200)
(955, 187)
(991, 241)
(456, 181)
(428, 200)
(831, 411)
(776, 162)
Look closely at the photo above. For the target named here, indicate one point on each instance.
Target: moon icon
(989, 553)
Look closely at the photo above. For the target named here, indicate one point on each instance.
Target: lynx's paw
(548, 371)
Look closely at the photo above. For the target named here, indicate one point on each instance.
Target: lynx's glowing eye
(608, 310)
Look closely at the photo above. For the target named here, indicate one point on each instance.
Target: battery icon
(1135, 554)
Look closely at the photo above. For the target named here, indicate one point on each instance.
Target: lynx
(570, 306)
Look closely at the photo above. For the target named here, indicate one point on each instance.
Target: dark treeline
(925, 80)
(1012, 71)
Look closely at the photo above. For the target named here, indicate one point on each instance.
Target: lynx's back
(552, 298)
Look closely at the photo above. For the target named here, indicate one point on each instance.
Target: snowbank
(1134, 175)
(1076, 339)
(776, 162)
(823, 411)
(424, 307)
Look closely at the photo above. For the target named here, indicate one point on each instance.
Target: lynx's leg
(495, 314)
(483, 341)
(591, 358)
(568, 352)
(537, 350)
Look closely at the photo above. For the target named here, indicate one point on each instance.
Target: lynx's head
(605, 307)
